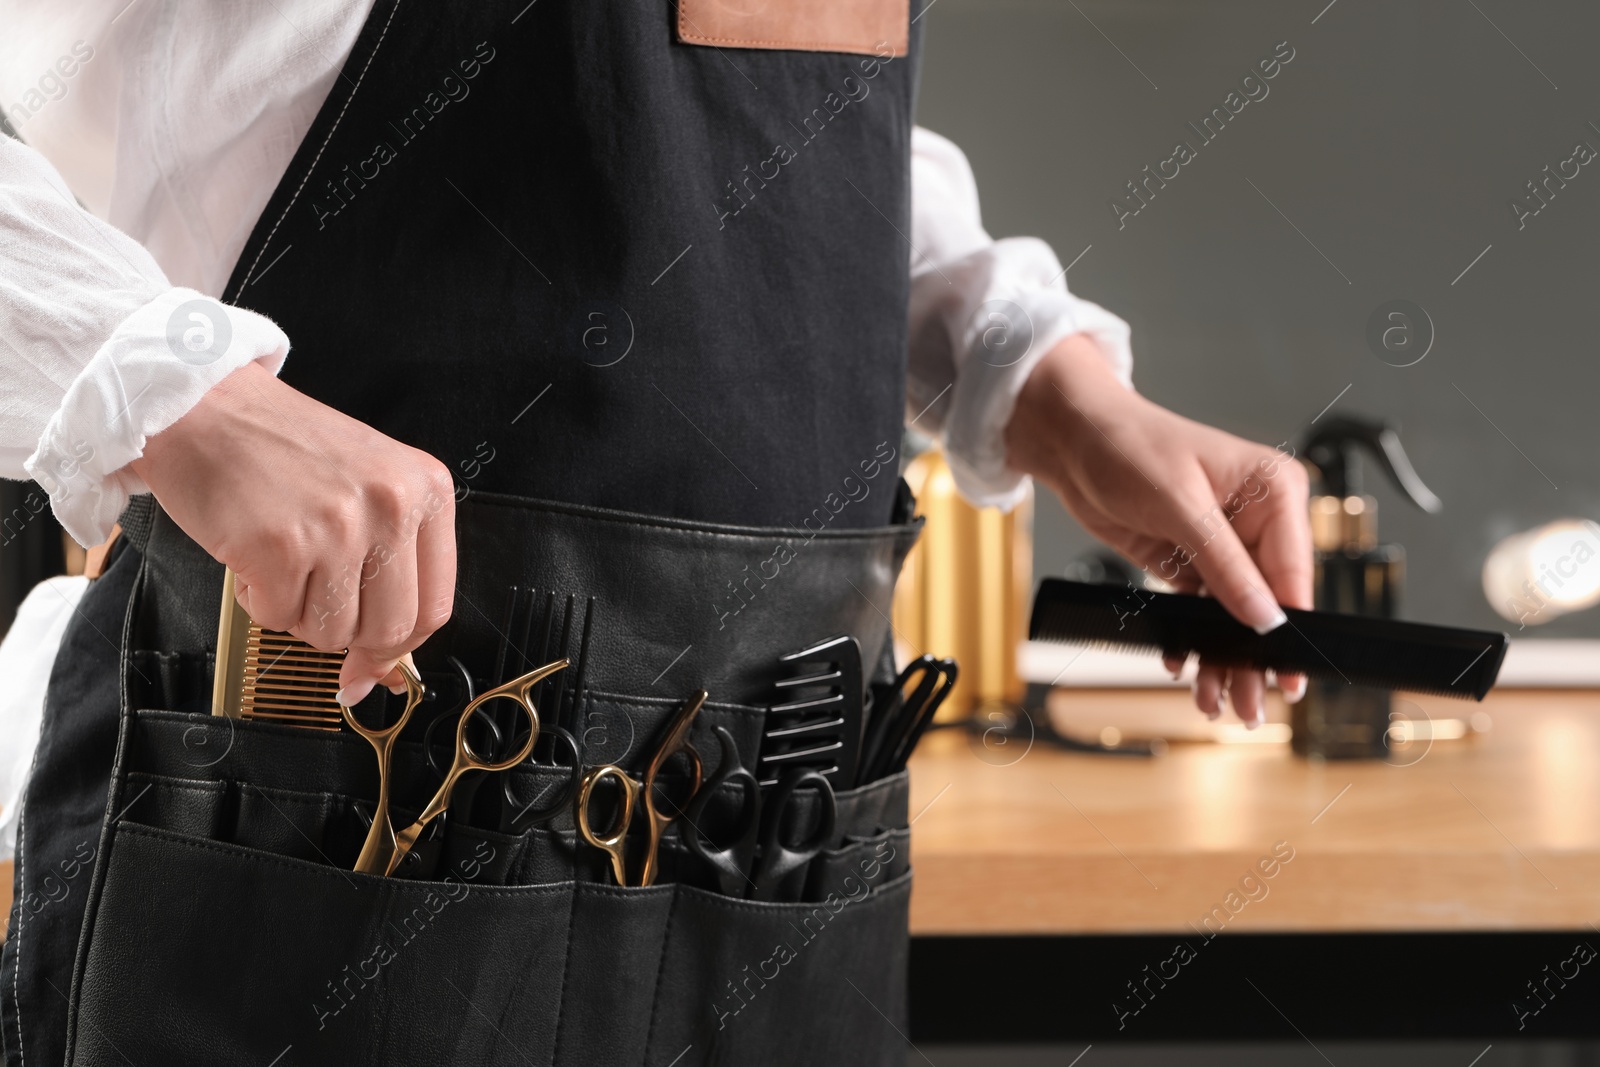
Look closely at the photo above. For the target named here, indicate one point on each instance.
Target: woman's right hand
(335, 533)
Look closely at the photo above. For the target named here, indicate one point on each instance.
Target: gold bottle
(964, 590)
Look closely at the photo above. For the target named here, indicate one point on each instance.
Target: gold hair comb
(269, 675)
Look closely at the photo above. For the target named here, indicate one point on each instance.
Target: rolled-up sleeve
(98, 351)
(982, 314)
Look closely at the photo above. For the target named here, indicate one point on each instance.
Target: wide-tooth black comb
(1359, 649)
(817, 723)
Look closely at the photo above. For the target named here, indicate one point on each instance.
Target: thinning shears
(384, 848)
(641, 792)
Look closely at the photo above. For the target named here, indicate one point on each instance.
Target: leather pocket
(187, 806)
(870, 809)
(248, 953)
(860, 861)
(784, 984)
(286, 822)
(203, 953)
(866, 27)
(241, 950)
(493, 855)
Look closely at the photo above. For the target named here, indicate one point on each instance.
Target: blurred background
(1379, 166)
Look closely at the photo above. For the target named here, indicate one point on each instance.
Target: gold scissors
(614, 840)
(384, 849)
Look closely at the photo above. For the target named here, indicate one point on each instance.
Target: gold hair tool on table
(614, 841)
(384, 848)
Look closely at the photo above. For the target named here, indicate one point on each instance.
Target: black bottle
(1354, 575)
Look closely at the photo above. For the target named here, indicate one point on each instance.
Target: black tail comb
(1359, 649)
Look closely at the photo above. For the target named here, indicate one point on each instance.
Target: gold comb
(269, 675)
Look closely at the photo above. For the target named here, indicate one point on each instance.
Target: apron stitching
(661, 970)
(113, 799)
(21, 902)
(22, 882)
(314, 160)
(566, 972)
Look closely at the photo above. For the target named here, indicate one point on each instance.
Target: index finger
(1278, 529)
(1232, 577)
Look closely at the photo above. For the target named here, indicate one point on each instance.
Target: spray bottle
(1354, 575)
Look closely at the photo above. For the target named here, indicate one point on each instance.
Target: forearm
(1049, 420)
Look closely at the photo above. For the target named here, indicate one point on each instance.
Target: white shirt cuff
(1015, 326)
(982, 314)
(153, 368)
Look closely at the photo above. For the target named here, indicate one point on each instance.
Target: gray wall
(1393, 140)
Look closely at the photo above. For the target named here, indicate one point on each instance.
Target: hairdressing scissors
(491, 738)
(902, 722)
(384, 848)
(758, 860)
(613, 841)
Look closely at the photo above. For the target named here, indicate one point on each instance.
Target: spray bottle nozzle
(1332, 446)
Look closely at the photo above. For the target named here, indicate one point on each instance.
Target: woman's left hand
(1197, 507)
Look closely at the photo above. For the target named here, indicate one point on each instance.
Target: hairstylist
(433, 202)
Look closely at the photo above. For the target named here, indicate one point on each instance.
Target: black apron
(646, 300)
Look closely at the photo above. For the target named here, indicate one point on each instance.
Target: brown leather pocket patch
(869, 27)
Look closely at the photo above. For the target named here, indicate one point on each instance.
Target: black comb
(816, 725)
(1359, 649)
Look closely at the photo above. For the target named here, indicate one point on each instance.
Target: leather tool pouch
(224, 923)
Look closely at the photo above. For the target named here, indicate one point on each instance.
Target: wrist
(1053, 409)
(1077, 370)
(200, 423)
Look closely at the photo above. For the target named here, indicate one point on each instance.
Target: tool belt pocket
(227, 926)
(248, 955)
(202, 952)
(806, 983)
(881, 857)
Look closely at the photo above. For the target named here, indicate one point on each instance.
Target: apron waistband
(659, 607)
(136, 519)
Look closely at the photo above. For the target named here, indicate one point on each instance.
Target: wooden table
(1497, 831)
(1036, 861)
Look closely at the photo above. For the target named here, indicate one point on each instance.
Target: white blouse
(155, 134)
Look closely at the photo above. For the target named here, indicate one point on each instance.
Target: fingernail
(1295, 690)
(1251, 723)
(353, 694)
(1278, 619)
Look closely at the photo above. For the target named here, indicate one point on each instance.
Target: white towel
(26, 657)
